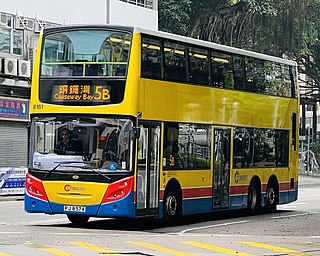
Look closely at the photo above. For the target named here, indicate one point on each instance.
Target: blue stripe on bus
(120, 208)
(237, 202)
(288, 196)
(33, 205)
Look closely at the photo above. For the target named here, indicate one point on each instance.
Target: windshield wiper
(52, 170)
(82, 167)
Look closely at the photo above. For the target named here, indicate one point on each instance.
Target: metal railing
(150, 4)
(308, 163)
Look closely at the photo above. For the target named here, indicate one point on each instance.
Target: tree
(284, 28)
(174, 16)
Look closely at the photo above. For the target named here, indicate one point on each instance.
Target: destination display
(80, 93)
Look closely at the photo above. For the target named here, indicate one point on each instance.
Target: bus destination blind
(81, 93)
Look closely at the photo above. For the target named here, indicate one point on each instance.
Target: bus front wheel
(254, 198)
(172, 205)
(78, 219)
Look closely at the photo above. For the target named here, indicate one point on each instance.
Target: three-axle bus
(168, 126)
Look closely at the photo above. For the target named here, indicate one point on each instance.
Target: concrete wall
(83, 12)
(128, 14)
(59, 11)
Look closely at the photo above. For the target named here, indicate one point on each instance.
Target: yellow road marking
(276, 248)
(4, 254)
(217, 248)
(100, 250)
(49, 249)
(161, 249)
(56, 251)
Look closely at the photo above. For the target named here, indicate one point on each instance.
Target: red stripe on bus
(264, 187)
(192, 192)
(234, 190)
(196, 192)
(284, 186)
(239, 190)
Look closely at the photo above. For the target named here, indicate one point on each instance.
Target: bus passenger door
(221, 167)
(147, 189)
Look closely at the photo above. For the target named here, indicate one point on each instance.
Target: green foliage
(174, 15)
(262, 7)
(288, 28)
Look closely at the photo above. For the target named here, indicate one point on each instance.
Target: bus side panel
(289, 195)
(120, 208)
(192, 206)
(35, 205)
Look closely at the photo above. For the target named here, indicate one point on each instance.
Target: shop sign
(12, 181)
(16, 109)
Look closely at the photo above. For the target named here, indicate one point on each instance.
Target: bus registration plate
(73, 208)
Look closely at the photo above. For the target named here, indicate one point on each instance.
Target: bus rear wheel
(78, 219)
(272, 197)
(172, 206)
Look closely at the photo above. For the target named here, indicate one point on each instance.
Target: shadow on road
(159, 226)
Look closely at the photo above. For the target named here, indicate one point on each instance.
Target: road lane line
(276, 248)
(161, 249)
(98, 249)
(294, 215)
(4, 254)
(212, 226)
(48, 249)
(217, 248)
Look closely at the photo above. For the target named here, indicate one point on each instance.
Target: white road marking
(212, 226)
(294, 215)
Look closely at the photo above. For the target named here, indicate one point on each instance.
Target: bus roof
(185, 39)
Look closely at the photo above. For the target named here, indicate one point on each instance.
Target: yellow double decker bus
(156, 124)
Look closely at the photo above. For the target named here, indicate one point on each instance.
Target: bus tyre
(172, 206)
(271, 198)
(254, 198)
(78, 219)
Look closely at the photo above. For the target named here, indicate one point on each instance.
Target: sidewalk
(11, 198)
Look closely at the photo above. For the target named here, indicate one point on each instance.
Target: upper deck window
(84, 53)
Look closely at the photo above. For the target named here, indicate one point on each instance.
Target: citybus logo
(68, 188)
(238, 177)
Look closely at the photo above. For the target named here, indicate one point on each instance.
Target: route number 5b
(101, 93)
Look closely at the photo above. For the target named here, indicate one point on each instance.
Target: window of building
(17, 42)
(5, 40)
(11, 41)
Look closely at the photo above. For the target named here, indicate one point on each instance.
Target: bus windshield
(77, 142)
(85, 53)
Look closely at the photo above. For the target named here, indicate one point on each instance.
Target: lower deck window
(187, 146)
(253, 147)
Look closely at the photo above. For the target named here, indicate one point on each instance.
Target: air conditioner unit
(10, 66)
(23, 68)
